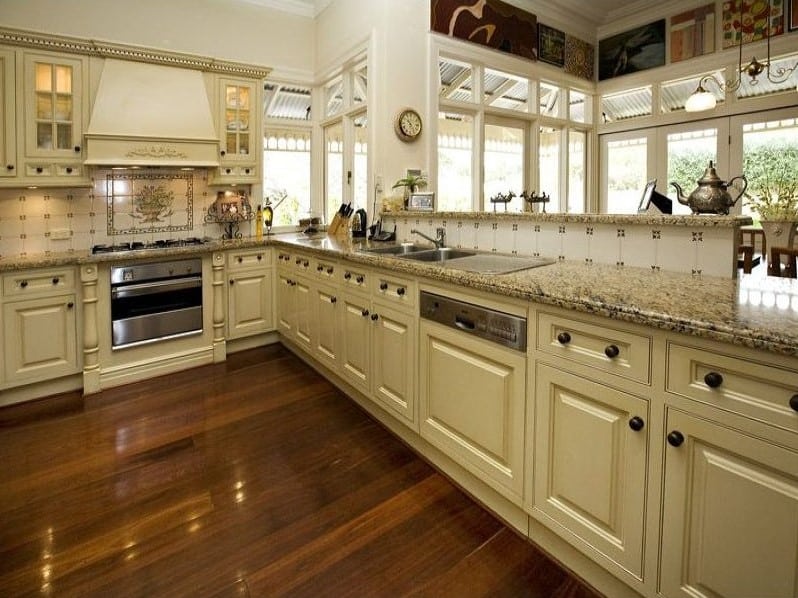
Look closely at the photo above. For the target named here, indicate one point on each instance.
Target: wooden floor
(253, 477)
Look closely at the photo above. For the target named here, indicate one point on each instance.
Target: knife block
(339, 227)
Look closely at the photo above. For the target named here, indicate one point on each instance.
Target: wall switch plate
(60, 234)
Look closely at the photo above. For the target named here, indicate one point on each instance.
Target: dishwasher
(472, 388)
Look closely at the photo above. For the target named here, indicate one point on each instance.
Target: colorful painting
(751, 18)
(632, 51)
(491, 23)
(149, 202)
(551, 45)
(793, 15)
(693, 33)
(579, 57)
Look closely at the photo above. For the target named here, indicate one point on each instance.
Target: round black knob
(359, 280)
(70, 305)
(637, 423)
(23, 284)
(400, 291)
(713, 379)
(675, 438)
(306, 263)
(9, 167)
(260, 257)
(69, 170)
(333, 299)
(611, 351)
(39, 169)
(794, 402)
(364, 313)
(231, 281)
(246, 170)
(330, 270)
(224, 153)
(240, 259)
(374, 317)
(228, 170)
(319, 268)
(298, 261)
(347, 275)
(55, 280)
(77, 149)
(563, 338)
(383, 286)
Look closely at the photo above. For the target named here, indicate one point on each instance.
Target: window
(688, 154)
(504, 163)
(577, 156)
(360, 167)
(626, 174)
(549, 167)
(333, 169)
(455, 159)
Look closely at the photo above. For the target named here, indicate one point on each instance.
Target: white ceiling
(597, 12)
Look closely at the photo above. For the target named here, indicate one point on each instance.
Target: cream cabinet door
(356, 341)
(286, 306)
(249, 304)
(730, 514)
(472, 399)
(40, 338)
(590, 462)
(326, 339)
(304, 313)
(394, 351)
(8, 136)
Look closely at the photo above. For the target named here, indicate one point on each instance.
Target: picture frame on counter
(421, 201)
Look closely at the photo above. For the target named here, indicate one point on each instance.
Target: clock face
(408, 125)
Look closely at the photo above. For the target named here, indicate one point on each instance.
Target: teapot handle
(745, 186)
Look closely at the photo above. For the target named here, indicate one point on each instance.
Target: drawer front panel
(758, 390)
(398, 291)
(357, 279)
(614, 351)
(248, 259)
(27, 283)
(326, 270)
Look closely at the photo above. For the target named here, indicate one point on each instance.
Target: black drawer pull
(56, 280)
(23, 284)
(383, 286)
(359, 280)
(260, 257)
(347, 275)
(713, 379)
(223, 152)
(39, 169)
(794, 402)
(364, 313)
(9, 167)
(319, 268)
(330, 270)
(69, 170)
(612, 351)
(400, 291)
(77, 149)
(333, 299)
(675, 438)
(563, 338)
(374, 317)
(240, 259)
(231, 281)
(70, 305)
(637, 423)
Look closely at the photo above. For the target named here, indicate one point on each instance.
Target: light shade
(700, 100)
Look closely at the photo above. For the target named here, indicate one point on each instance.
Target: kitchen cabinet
(325, 334)
(8, 137)
(240, 135)
(587, 476)
(472, 396)
(50, 110)
(249, 300)
(730, 512)
(39, 318)
(294, 298)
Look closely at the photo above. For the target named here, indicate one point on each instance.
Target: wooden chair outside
(786, 269)
(748, 256)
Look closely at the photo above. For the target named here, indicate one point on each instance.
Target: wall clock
(407, 125)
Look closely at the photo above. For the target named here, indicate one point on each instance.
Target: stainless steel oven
(155, 301)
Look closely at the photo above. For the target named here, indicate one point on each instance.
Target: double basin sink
(462, 259)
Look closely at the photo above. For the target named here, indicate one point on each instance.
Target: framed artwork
(632, 51)
(423, 201)
(579, 57)
(750, 18)
(793, 15)
(693, 33)
(551, 45)
(491, 23)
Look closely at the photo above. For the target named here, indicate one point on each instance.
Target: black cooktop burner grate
(159, 244)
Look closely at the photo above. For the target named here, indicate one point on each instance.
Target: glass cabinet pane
(54, 105)
(63, 79)
(243, 98)
(44, 106)
(63, 107)
(64, 139)
(230, 145)
(44, 77)
(243, 143)
(44, 136)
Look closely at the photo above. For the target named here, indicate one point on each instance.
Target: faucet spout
(440, 239)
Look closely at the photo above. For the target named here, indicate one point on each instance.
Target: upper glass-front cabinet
(54, 103)
(237, 110)
(240, 137)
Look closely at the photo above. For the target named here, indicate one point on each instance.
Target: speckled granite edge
(707, 220)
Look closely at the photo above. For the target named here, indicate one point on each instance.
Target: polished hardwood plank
(253, 477)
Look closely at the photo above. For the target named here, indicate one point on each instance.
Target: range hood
(151, 115)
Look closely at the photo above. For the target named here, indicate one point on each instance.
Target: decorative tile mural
(579, 57)
(149, 202)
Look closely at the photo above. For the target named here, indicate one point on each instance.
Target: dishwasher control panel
(498, 327)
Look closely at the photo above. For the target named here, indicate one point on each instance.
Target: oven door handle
(151, 288)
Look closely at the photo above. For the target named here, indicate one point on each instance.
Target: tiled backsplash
(698, 245)
(120, 207)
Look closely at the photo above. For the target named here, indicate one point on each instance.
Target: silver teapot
(711, 195)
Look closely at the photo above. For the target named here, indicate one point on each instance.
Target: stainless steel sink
(442, 254)
(398, 250)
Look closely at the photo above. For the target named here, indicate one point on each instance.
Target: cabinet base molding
(143, 370)
(38, 390)
(252, 342)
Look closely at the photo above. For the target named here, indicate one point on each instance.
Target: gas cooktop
(160, 244)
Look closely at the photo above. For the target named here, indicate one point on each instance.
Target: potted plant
(411, 183)
(776, 203)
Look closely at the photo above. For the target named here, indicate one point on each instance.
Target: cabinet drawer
(247, 259)
(356, 278)
(395, 290)
(758, 390)
(326, 270)
(284, 258)
(37, 281)
(300, 263)
(614, 351)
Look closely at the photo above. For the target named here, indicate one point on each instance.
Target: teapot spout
(680, 195)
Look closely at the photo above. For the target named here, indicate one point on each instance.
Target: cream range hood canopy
(151, 115)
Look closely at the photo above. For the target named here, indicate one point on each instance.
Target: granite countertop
(755, 311)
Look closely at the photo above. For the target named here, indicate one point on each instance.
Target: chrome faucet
(440, 239)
